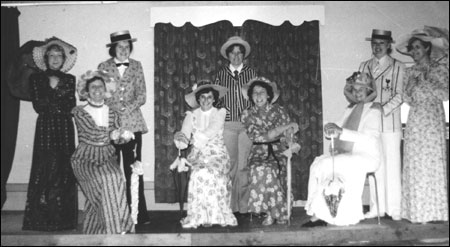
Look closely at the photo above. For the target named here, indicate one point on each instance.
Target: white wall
(88, 27)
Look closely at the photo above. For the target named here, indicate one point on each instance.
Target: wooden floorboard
(165, 229)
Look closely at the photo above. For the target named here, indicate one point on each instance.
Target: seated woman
(336, 183)
(209, 185)
(94, 162)
(267, 125)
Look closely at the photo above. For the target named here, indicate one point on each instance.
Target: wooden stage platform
(165, 229)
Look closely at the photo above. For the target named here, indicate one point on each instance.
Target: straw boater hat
(69, 50)
(111, 84)
(190, 98)
(232, 41)
(276, 92)
(120, 36)
(381, 34)
(438, 40)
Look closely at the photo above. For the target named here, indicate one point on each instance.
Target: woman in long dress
(424, 179)
(209, 185)
(336, 182)
(267, 125)
(95, 163)
(52, 202)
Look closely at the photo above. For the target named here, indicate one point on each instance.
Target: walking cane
(289, 189)
(288, 154)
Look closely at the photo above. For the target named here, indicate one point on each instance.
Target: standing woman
(52, 192)
(424, 194)
(127, 100)
(234, 77)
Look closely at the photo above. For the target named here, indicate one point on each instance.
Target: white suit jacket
(367, 140)
(389, 86)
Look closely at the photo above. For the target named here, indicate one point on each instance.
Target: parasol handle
(332, 154)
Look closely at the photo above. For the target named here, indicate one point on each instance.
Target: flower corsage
(121, 136)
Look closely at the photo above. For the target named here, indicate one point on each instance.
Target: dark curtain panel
(290, 56)
(287, 54)
(10, 104)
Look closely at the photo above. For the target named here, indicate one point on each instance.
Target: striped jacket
(389, 86)
(233, 101)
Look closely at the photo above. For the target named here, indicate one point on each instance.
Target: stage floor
(165, 229)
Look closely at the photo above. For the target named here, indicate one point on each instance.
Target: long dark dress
(52, 202)
(95, 166)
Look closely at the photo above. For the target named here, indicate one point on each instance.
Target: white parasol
(334, 188)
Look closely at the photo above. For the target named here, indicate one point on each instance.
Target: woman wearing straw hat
(52, 192)
(127, 100)
(269, 127)
(209, 184)
(424, 194)
(234, 77)
(342, 174)
(94, 162)
(388, 78)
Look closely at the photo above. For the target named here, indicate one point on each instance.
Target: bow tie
(120, 64)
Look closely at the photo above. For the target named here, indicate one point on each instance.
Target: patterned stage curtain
(287, 54)
(290, 56)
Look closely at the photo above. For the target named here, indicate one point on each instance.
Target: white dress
(350, 168)
(209, 185)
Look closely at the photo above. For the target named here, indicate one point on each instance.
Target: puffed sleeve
(187, 126)
(407, 79)
(66, 97)
(439, 83)
(249, 122)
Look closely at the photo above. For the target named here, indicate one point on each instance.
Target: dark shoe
(144, 222)
(315, 223)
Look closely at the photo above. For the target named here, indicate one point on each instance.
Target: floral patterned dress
(209, 185)
(267, 168)
(424, 179)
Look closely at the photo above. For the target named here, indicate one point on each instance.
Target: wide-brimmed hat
(381, 34)
(120, 36)
(232, 41)
(190, 98)
(438, 37)
(362, 79)
(69, 50)
(273, 85)
(111, 84)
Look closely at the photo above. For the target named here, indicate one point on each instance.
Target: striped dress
(95, 166)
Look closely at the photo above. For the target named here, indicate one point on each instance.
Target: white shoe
(370, 215)
(188, 225)
(396, 217)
